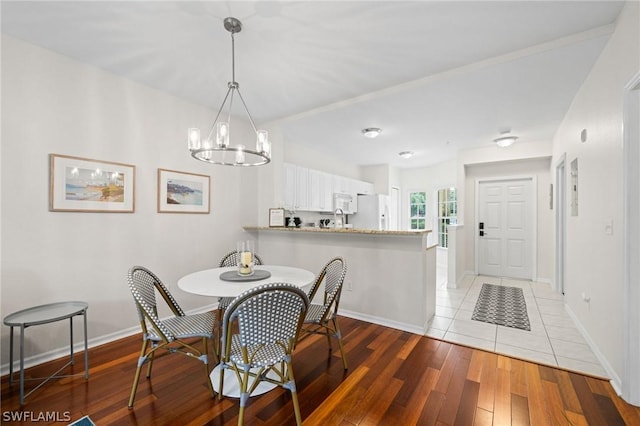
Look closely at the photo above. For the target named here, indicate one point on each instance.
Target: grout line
(544, 326)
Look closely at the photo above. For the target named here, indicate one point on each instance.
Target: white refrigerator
(373, 212)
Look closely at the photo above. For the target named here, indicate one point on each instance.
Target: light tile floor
(553, 340)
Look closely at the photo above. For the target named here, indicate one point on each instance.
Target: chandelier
(215, 148)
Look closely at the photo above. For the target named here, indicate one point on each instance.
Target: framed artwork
(85, 185)
(181, 192)
(276, 218)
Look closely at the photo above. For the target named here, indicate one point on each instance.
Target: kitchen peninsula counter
(391, 275)
(336, 230)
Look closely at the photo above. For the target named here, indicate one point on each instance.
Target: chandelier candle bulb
(240, 154)
(194, 138)
(262, 140)
(222, 134)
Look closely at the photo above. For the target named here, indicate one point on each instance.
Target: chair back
(143, 285)
(270, 313)
(333, 275)
(232, 258)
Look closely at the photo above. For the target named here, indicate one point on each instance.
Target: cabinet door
(326, 202)
(289, 180)
(316, 186)
(302, 188)
(340, 184)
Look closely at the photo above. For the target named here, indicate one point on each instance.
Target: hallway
(554, 339)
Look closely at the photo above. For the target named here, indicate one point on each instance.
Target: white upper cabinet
(289, 182)
(302, 188)
(296, 187)
(362, 187)
(312, 190)
(320, 191)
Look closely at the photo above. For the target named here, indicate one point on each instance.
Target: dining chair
(323, 318)
(231, 259)
(259, 332)
(174, 334)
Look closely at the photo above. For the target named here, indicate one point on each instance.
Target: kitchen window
(418, 209)
(447, 214)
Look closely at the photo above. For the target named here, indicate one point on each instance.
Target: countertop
(335, 231)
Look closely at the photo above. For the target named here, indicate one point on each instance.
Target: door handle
(481, 228)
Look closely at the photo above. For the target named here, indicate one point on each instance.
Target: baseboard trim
(410, 328)
(615, 381)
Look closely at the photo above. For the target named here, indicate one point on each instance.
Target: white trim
(613, 377)
(410, 328)
(560, 202)
(534, 220)
(630, 387)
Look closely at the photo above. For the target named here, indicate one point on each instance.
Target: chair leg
(294, 394)
(221, 371)
(338, 335)
(136, 378)
(244, 396)
(205, 344)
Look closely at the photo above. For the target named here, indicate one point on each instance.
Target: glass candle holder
(246, 258)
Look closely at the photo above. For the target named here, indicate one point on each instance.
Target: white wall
(594, 259)
(52, 104)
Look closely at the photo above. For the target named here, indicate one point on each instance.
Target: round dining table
(209, 283)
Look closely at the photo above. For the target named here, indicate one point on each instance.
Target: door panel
(506, 248)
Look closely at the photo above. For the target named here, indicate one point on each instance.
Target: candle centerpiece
(245, 257)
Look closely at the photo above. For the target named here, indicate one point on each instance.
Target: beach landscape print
(181, 192)
(94, 185)
(82, 184)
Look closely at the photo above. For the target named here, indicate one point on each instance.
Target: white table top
(208, 282)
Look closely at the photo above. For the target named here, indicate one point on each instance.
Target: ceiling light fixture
(406, 154)
(216, 148)
(371, 132)
(505, 140)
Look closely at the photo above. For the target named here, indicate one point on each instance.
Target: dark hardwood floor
(394, 378)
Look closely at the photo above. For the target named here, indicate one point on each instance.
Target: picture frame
(276, 218)
(183, 192)
(79, 184)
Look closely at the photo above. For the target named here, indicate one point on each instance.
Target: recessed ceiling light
(371, 132)
(406, 154)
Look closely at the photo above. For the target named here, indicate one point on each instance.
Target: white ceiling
(435, 76)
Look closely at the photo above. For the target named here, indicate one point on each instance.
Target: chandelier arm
(213, 126)
(247, 110)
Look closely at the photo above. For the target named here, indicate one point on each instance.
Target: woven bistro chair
(231, 259)
(323, 318)
(173, 334)
(259, 332)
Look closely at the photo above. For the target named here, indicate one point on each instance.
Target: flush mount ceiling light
(371, 132)
(406, 154)
(505, 140)
(216, 148)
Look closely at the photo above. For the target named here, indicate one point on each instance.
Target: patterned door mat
(502, 305)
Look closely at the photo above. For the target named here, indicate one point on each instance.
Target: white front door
(505, 228)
